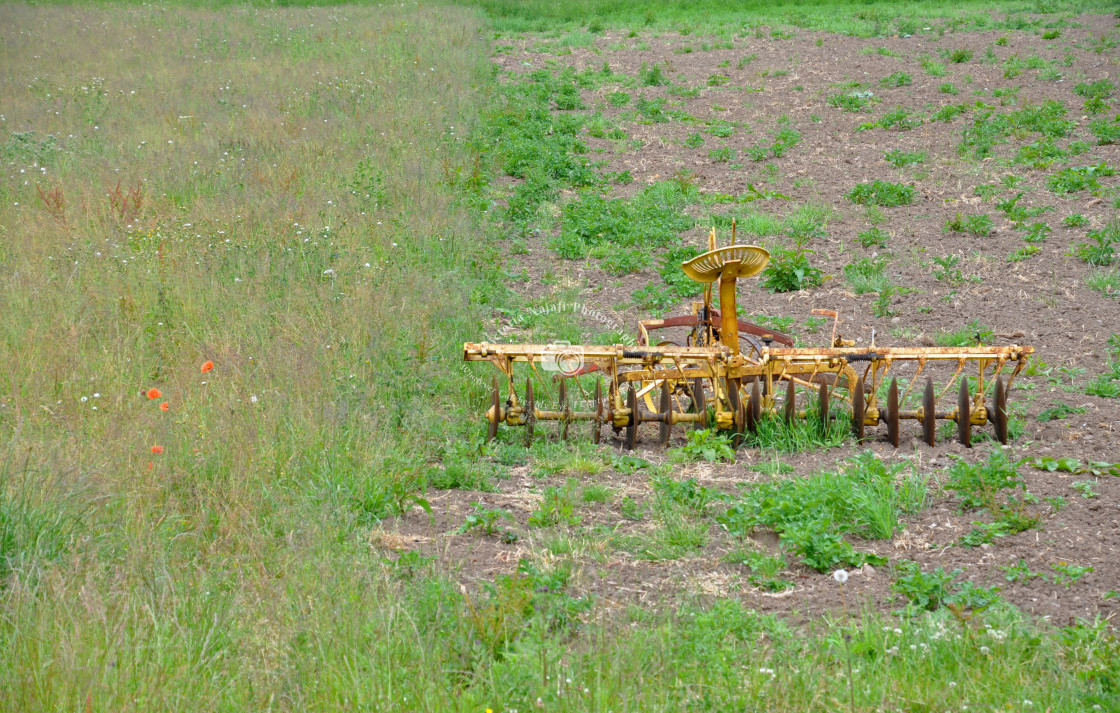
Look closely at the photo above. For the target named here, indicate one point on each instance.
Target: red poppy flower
(157, 450)
(154, 393)
(207, 366)
(164, 406)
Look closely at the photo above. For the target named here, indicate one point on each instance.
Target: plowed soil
(1041, 301)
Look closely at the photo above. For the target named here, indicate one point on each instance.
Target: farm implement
(715, 370)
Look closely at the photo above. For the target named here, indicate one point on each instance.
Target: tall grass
(272, 190)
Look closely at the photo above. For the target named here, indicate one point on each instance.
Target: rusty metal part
(964, 415)
(929, 414)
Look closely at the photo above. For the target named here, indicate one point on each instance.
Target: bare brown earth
(1042, 301)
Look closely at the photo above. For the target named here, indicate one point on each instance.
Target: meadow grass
(866, 18)
(276, 191)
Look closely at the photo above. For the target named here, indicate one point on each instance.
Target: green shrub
(1039, 154)
(979, 485)
(1101, 251)
(724, 154)
(898, 79)
(1023, 253)
(990, 129)
(949, 88)
(1078, 178)
(558, 506)
(960, 56)
(855, 101)
(651, 219)
(881, 193)
(789, 270)
(900, 159)
(867, 275)
(707, 445)
(694, 140)
(811, 514)
(969, 335)
(1107, 132)
(1106, 282)
(1100, 89)
(1037, 233)
(949, 112)
(618, 98)
(650, 75)
(933, 69)
(873, 237)
(979, 225)
(900, 119)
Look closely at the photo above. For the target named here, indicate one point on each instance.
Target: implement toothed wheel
(754, 409)
(530, 412)
(699, 403)
(791, 403)
(822, 405)
(632, 426)
(964, 415)
(737, 413)
(858, 411)
(892, 414)
(666, 413)
(999, 413)
(929, 414)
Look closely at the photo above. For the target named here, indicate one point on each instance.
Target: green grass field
(301, 197)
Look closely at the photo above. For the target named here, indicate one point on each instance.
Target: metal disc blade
(666, 413)
(858, 410)
(999, 418)
(822, 405)
(756, 404)
(964, 415)
(892, 413)
(755, 408)
(632, 426)
(791, 403)
(929, 415)
(700, 402)
(530, 411)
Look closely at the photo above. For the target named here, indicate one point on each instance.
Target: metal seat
(708, 267)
